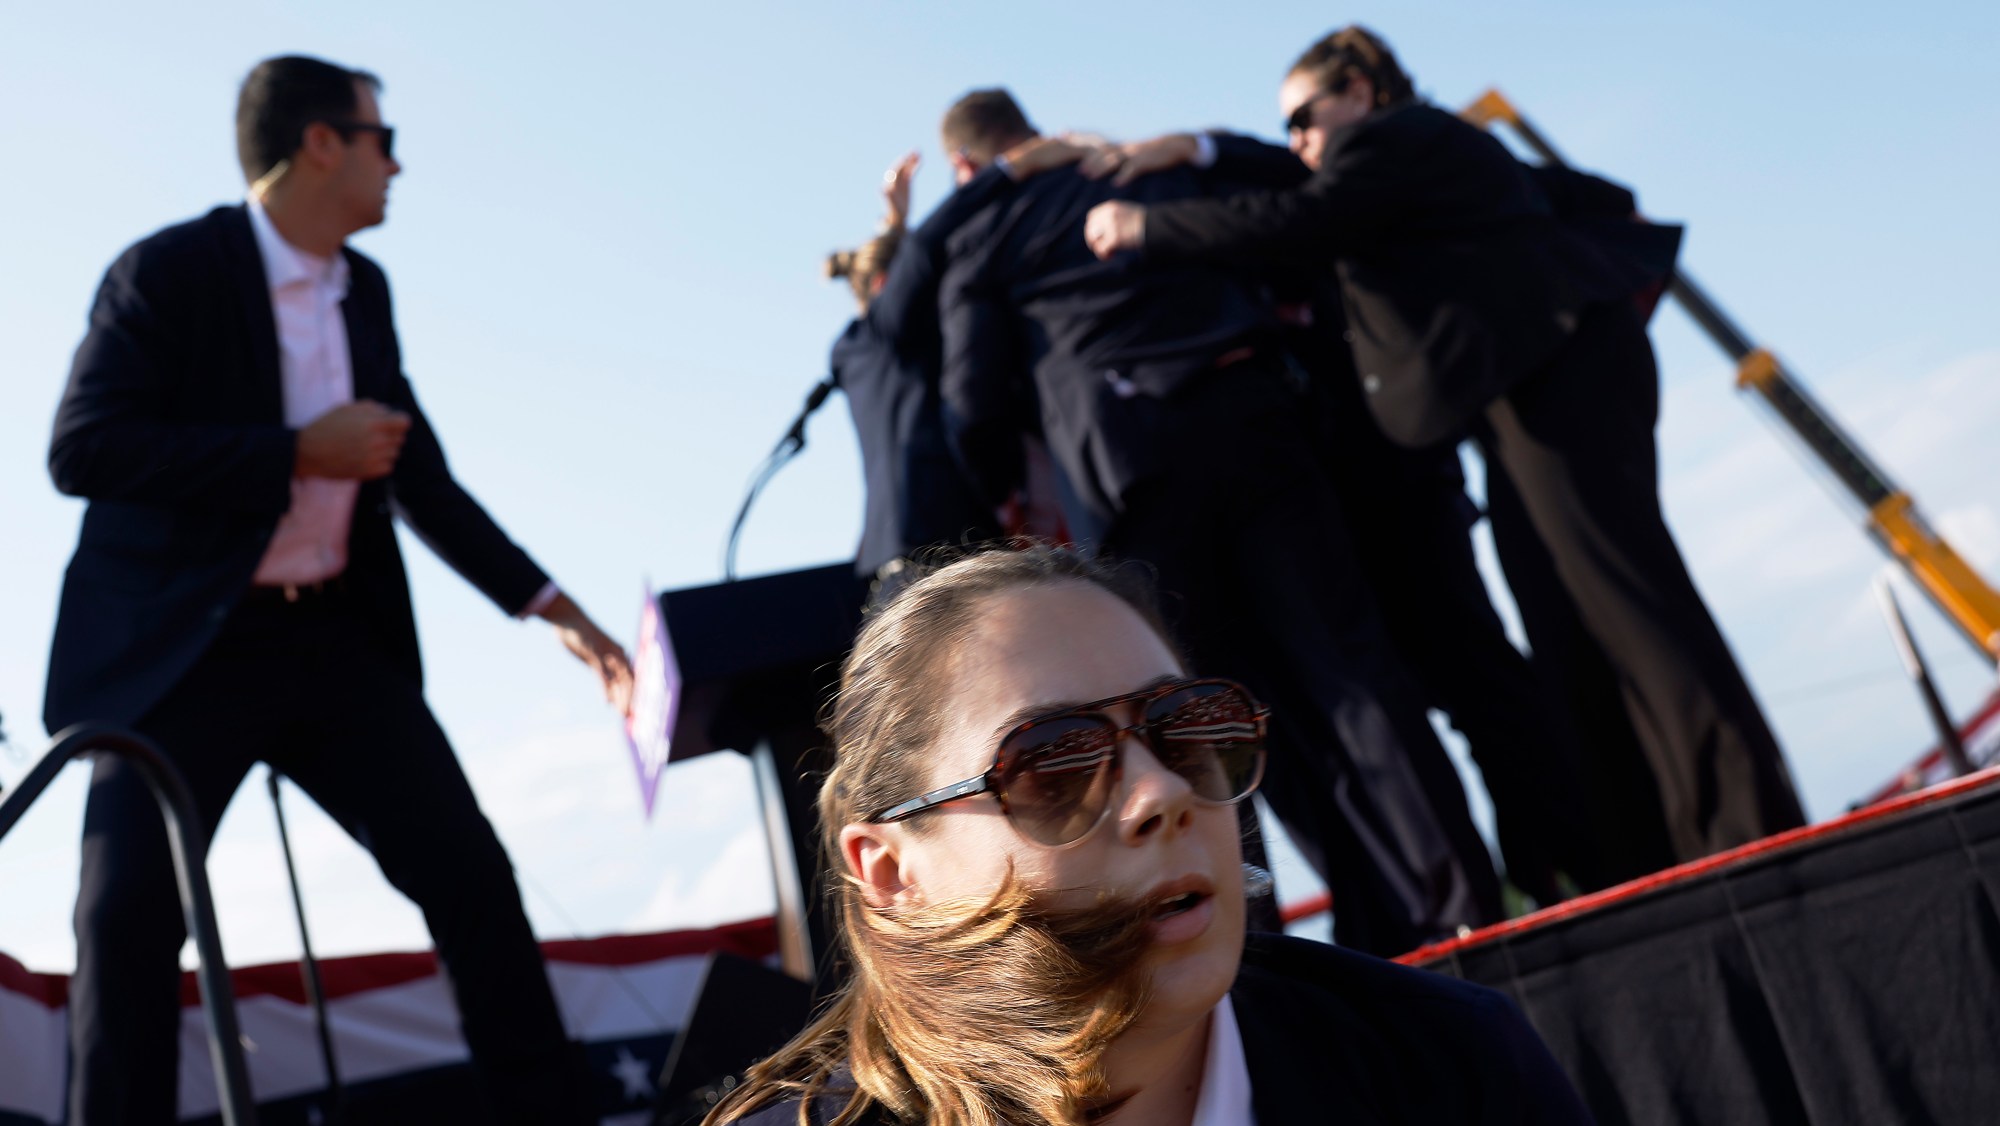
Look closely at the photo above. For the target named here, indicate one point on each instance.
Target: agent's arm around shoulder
(1304, 222)
(115, 435)
(1243, 161)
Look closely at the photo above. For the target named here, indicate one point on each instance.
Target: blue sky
(605, 250)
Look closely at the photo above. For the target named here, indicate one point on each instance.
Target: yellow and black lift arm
(1953, 586)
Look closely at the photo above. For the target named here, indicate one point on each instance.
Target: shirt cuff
(541, 600)
(1204, 150)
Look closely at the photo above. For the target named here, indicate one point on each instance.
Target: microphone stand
(788, 447)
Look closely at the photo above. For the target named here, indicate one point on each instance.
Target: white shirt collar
(286, 265)
(1225, 1080)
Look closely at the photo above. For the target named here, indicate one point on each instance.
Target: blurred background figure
(886, 361)
(239, 421)
(1468, 297)
(1170, 413)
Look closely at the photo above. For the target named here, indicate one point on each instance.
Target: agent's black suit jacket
(1339, 1037)
(1457, 274)
(1105, 344)
(887, 361)
(173, 427)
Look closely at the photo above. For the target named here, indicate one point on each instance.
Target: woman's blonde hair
(989, 1013)
(862, 265)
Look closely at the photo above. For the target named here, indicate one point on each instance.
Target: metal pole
(1913, 663)
(794, 940)
(336, 1095)
(188, 845)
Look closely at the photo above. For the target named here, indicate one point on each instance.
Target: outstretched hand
(1114, 226)
(593, 647)
(1042, 154)
(1131, 161)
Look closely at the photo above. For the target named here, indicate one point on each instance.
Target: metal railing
(189, 847)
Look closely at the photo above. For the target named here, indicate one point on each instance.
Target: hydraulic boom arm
(1893, 519)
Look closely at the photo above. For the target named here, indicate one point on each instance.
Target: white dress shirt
(310, 544)
(1225, 1080)
(317, 372)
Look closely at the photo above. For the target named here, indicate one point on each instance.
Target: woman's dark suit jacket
(1457, 273)
(1332, 1036)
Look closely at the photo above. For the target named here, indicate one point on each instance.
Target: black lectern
(758, 659)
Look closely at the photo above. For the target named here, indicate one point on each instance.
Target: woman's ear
(875, 859)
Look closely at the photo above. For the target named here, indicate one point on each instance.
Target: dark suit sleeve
(983, 363)
(1355, 193)
(114, 438)
(1246, 162)
(905, 312)
(1576, 194)
(446, 517)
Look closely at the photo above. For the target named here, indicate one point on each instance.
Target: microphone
(788, 447)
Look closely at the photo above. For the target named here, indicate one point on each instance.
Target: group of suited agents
(1249, 368)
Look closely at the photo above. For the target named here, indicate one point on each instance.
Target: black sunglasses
(1302, 116)
(1055, 775)
(386, 134)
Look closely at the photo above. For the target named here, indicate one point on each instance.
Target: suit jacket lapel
(364, 347)
(253, 296)
(1301, 1070)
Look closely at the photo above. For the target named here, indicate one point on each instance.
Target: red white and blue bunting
(395, 1028)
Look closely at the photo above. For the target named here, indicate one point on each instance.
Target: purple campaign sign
(656, 700)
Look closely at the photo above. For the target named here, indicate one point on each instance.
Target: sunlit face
(1042, 649)
(1325, 112)
(362, 178)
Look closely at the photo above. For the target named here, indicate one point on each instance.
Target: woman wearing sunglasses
(1042, 897)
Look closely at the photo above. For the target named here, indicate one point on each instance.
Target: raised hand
(896, 189)
(358, 441)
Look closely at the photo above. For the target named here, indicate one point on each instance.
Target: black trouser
(300, 685)
(1582, 689)
(1411, 522)
(1576, 439)
(1259, 580)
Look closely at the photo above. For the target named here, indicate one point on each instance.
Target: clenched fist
(1113, 226)
(357, 441)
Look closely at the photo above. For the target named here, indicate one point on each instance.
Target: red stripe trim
(52, 990)
(752, 938)
(1781, 842)
(1289, 913)
(344, 977)
(1913, 775)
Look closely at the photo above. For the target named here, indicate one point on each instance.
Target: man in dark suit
(886, 361)
(239, 421)
(1472, 302)
(1180, 436)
